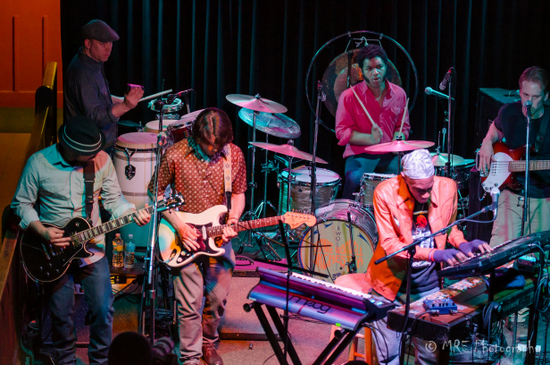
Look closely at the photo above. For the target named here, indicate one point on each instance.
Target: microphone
(171, 97)
(446, 79)
(495, 194)
(430, 91)
(528, 104)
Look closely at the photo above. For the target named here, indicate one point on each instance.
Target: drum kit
(341, 222)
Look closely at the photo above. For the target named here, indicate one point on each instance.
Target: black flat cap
(81, 136)
(99, 30)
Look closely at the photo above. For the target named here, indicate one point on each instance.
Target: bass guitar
(207, 223)
(506, 161)
(46, 262)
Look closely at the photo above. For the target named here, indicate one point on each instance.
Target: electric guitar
(46, 262)
(174, 254)
(505, 162)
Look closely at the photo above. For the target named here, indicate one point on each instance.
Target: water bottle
(130, 254)
(118, 251)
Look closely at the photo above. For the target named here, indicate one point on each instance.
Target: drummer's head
(373, 61)
(212, 130)
(418, 173)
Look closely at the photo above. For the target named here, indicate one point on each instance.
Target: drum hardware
(129, 170)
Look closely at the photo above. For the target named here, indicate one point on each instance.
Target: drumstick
(155, 95)
(404, 113)
(364, 109)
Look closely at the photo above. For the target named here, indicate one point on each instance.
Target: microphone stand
(149, 295)
(525, 215)
(320, 97)
(449, 164)
(411, 248)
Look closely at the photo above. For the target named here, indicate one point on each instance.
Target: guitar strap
(227, 175)
(89, 176)
(542, 130)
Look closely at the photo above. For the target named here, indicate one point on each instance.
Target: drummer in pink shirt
(385, 103)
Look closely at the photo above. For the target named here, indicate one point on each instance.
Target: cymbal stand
(266, 169)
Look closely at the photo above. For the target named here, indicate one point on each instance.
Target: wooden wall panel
(30, 35)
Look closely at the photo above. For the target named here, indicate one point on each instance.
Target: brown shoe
(210, 356)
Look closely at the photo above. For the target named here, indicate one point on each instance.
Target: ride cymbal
(278, 125)
(398, 146)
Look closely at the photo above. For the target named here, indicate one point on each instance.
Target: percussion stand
(253, 213)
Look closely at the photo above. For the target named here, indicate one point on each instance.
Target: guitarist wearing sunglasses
(505, 142)
(51, 192)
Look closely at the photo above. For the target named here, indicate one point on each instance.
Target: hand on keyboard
(469, 248)
(450, 256)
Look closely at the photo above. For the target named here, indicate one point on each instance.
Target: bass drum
(326, 247)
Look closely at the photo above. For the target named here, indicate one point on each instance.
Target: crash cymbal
(398, 146)
(190, 117)
(129, 123)
(278, 125)
(287, 150)
(440, 159)
(256, 103)
(336, 75)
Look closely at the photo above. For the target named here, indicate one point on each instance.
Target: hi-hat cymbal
(287, 150)
(440, 159)
(398, 146)
(129, 123)
(278, 125)
(256, 103)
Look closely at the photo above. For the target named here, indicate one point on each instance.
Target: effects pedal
(440, 306)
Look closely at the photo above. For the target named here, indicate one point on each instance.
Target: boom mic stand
(320, 97)
(525, 215)
(148, 298)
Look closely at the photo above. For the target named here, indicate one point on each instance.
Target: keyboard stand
(339, 343)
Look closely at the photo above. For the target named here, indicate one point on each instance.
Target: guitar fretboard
(245, 226)
(111, 225)
(535, 165)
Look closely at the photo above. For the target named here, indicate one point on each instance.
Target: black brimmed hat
(81, 136)
(99, 30)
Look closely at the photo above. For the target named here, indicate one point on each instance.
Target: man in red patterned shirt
(385, 103)
(195, 168)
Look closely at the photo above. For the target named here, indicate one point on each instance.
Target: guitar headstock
(170, 202)
(294, 219)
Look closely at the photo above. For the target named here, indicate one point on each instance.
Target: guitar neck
(246, 225)
(535, 165)
(109, 226)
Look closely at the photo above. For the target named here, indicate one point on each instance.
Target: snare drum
(300, 188)
(332, 235)
(369, 182)
(134, 159)
(179, 131)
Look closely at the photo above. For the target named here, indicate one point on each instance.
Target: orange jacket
(393, 211)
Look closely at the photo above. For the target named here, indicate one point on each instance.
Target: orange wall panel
(30, 36)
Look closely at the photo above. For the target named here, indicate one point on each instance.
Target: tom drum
(327, 183)
(369, 182)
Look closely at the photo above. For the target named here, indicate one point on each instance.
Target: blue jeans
(95, 280)
(357, 165)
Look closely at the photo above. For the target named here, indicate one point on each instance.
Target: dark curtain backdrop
(221, 47)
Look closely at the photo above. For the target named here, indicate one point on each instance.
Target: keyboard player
(411, 205)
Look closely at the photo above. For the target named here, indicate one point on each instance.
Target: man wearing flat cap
(52, 190)
(409, 206)
(86, 91)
